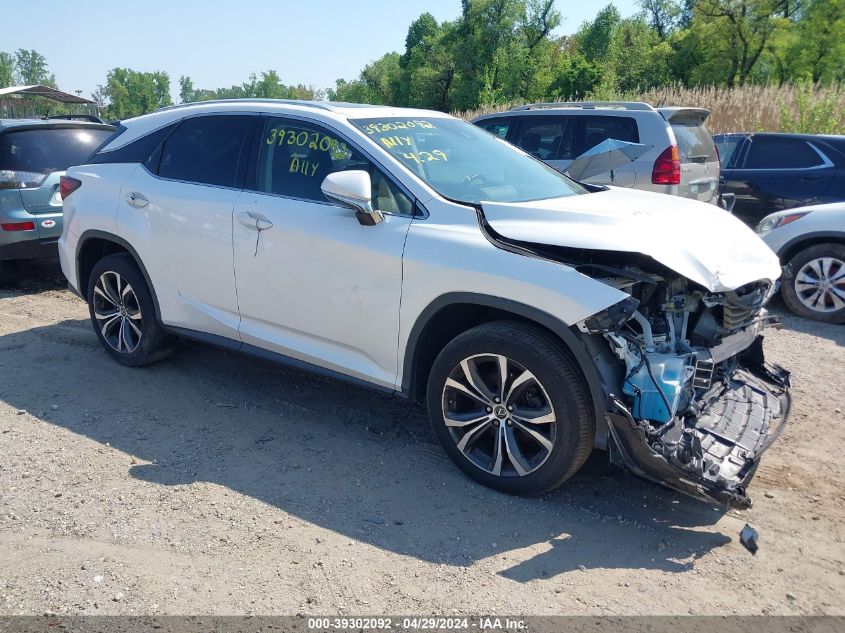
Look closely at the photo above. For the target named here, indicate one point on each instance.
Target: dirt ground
(213, 483)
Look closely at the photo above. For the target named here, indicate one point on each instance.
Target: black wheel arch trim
(111, 237)
(569, 336)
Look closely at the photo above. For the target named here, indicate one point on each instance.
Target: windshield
(463, 162)
(26, 157)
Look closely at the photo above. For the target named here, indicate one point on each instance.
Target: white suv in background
(682, 159)
(414, 253)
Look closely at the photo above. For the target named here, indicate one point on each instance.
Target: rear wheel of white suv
(123, 313)
(507, 404)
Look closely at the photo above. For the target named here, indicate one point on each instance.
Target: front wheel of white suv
(123, 313)
(509, 408)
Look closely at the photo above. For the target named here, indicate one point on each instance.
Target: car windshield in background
(695, 142)
(26, 157)
(463, 162)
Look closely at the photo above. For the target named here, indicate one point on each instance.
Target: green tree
(576, 78)
(816, 50)
(595, 38)
(662, 15)
(741, 30)
(31, 67)
(377, 83)
(7, 70)
(640, 60)
(129, 93)
(427, 67)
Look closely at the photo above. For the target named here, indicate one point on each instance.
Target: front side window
(462, 162)
(548, 138)
(295, 157)
(205, 150)
(28, 156)
(769, 152)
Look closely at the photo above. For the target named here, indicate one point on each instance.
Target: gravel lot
(214, 483)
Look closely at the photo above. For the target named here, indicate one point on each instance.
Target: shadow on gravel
(358, 463)
(31, 276)
(835, 333)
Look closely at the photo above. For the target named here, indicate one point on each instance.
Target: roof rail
(586, 105)
(322, 105)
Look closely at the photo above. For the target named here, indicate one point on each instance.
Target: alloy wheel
(820, 284)
(499, 415)
(118, 313)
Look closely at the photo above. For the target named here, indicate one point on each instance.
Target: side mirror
(354, 190)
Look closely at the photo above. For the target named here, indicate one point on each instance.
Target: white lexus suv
(417, 254)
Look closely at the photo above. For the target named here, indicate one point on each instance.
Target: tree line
(503, 51)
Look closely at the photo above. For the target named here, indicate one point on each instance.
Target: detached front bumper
(713, 455)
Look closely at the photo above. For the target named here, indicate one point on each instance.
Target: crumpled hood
(700, 241)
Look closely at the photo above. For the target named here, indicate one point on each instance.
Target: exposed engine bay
(691, 402)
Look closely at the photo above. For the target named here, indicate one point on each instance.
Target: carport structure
(18, 102)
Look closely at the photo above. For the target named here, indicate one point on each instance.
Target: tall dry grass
(789, 108)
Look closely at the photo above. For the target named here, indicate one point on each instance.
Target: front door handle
(254, 221)
(137, 200)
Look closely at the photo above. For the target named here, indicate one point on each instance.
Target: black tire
(792, 290)
(153, 343)
(557, 378)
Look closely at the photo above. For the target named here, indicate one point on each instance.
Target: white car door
(176, 210)
(312, 282)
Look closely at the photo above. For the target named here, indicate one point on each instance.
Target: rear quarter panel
(91, 207)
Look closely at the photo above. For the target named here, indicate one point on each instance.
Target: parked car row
(754, 175)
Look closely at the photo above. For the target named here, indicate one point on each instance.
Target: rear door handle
(810, 177)
(254, 221)
(137, 200)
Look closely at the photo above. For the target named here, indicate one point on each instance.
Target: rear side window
(694, 142)
(496, 127)
(205, 150)
(769, 152)
(598, 129)
(135, 152)
(26, 157)
(548, 138)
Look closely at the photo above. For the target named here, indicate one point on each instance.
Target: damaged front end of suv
(691, 402)
(694, 404)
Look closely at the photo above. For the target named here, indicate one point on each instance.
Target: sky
(219, 43)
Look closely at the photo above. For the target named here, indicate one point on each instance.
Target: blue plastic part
(669, 374)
